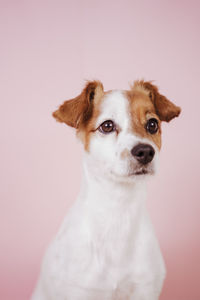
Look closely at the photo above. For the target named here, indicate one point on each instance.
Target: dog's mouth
(142, 171)
(138, 171)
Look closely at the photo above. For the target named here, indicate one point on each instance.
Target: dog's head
(120, 130)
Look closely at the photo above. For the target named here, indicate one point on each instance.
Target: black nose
(144, 153)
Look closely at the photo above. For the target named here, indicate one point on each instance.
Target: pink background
(48, 49)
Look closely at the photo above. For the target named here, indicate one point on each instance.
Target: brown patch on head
(85, 133)
(142, 109)
(165, 109)
(81, 111)
(146, 103)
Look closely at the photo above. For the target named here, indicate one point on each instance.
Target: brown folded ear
(165, 109)
(76, 112)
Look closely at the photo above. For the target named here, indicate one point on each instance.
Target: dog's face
(120, 130)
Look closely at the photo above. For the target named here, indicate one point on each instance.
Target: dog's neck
(110, 209)
(103, 193)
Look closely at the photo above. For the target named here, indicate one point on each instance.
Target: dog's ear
(77, 111)
(165, 109)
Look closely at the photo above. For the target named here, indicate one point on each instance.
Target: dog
(106, 248)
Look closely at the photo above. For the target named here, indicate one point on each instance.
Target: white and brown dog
(106, 248)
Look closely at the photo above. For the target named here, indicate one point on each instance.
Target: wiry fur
(106, 248)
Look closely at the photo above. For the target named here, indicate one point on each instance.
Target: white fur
(106, 248)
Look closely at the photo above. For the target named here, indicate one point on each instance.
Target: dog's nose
(144, 153)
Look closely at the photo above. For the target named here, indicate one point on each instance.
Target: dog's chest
(100, 250)
(113, 236)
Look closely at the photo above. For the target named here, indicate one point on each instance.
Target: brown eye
(152, 126)
(107, 127)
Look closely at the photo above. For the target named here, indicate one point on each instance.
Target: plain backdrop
(48, 49)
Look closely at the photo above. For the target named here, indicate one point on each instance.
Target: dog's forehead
(124, 106)
(115, 106)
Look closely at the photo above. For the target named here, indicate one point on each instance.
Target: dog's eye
(152, 125)
(107, 127)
